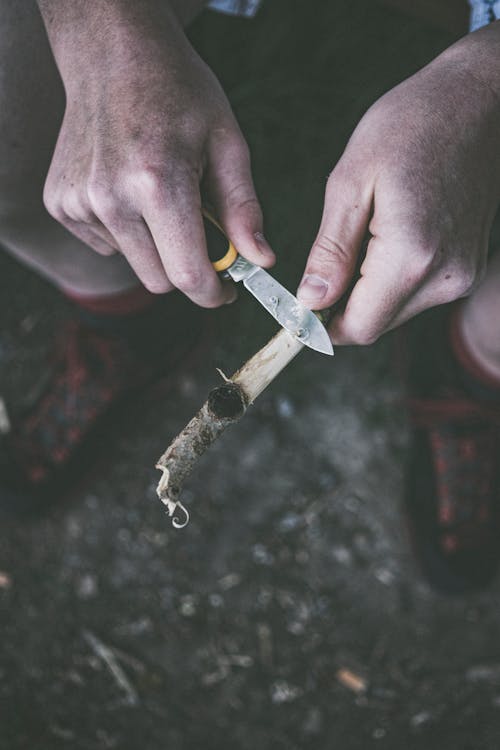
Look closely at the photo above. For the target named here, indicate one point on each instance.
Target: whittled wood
(225, 406)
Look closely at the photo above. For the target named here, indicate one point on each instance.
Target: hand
(145, 122)
(421, 173)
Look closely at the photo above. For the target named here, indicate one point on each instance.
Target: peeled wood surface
(225, 405)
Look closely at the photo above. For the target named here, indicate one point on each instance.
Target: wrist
(83, 33)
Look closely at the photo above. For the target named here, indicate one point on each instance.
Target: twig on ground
(351, 680)
(5, 580)
(107, 655)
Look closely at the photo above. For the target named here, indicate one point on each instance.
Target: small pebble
(188, 605)
(216, 600)
(385, 576)
(289, 522)
(351, 504)
(229, 581)
(484, 673)
(341, 554)
(285, 407)
(262, 555)
(87, 586)
(283, 692)
(91, 502)
(296, 627)
(421, 718)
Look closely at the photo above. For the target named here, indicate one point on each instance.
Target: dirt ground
(231, 633)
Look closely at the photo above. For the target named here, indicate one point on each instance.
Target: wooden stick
(226, 404)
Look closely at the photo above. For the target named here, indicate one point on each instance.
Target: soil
(118, 631)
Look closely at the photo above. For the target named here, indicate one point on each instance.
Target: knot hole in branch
(227, 401)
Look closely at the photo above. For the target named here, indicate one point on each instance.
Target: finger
(173, 215)
(389, 279)
(136, 244)
(332, 260)
(78, 211)
(232, 192)
(91, 237)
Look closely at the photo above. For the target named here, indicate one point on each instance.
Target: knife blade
(298, 320)
(285, 308)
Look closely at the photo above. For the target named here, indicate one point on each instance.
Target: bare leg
(31, 109)
(480, 322)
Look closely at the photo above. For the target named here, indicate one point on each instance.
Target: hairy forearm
(119, 35)
(77, 29)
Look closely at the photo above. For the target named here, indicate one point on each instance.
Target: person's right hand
(145, 122)
(421, 176)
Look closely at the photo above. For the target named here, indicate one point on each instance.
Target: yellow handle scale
(231, 254)
(224, 263)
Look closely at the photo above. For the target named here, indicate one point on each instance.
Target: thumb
(236, 204)
(332, 260)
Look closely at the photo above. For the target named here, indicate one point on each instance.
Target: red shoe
(453, 481)
(95, 370)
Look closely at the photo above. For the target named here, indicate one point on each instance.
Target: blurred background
(289, 613)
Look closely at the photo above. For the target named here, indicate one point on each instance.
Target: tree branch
(226, 404)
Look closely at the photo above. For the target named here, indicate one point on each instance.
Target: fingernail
(263, 244)
(312, 288)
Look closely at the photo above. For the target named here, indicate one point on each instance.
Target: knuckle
(53, 204)
(149, 180)
(360, 333)
(426, 258)
(76, 209)
(364, 337)
(413, 274)
(163, 186)
(157, 285)
(460, 280)
(328, 249)
(419, 264)
(241, 196)
(102, 201)
(187, 280)
(465, 283)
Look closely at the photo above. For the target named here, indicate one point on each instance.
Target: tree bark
(226, 404)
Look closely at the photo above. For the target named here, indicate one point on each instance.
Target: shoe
(452, 497)
(99, 363)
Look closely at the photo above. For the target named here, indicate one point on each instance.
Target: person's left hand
(421, 173)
